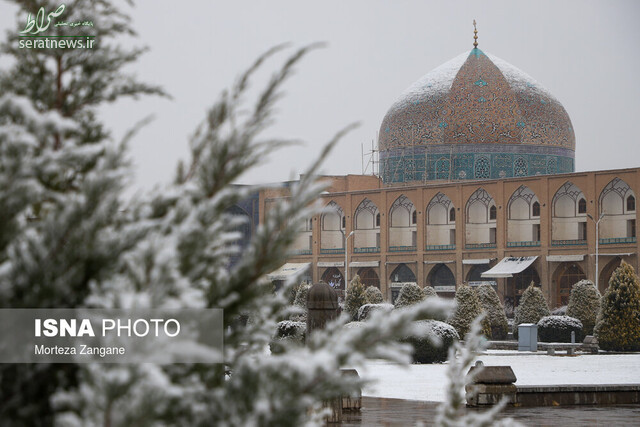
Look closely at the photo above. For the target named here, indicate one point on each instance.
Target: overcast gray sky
(584, 52)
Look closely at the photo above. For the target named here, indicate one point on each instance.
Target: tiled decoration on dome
(407, 167)
(475, 102)
(472, 161)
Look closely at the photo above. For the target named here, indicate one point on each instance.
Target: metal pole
(597, 223)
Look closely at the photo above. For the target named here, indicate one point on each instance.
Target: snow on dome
(475, 117)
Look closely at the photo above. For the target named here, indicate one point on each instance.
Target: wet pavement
(397, 412)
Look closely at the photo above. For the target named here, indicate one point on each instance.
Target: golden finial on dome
(475, 35)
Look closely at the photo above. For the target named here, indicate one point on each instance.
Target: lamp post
(346, 266)
(597, 241)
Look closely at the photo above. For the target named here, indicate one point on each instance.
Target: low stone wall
(579, 394)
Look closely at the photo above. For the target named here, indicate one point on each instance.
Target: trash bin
(528, 337)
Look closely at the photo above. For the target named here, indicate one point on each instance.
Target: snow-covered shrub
(494, 311)
(428, 292)
(409, 294)
(618, 325)
(431, 341)
(468, 307)
(584, 304)
(353, 325)
(559, 311)
(559, 328)
(373, 295)
(293, 292)
(531, 309)
(301, 302)
(288, 331)
(355, 297)
(366, 310)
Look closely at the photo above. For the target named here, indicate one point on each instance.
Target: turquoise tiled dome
(475, 117)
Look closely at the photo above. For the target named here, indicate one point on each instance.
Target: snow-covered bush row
(367, 309)
(559, 328)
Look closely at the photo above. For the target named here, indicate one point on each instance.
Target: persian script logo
(41, 22)
(38, 21)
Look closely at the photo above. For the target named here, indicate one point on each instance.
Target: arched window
(344, 222)
(535, 209)
(492, 212)
(414, 217)
(631, 204)
(452, 215)
(582, 206)
(378, 219)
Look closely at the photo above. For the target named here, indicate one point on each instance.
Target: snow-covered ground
(426, 382)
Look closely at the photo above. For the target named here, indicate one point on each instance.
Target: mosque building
(476, 184)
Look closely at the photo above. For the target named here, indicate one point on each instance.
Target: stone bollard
(322, 307)
(351, 403)
(490, 385)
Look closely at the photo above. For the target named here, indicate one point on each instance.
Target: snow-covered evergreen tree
(410, 294)
(618, 327)
(584, 305)
(356, 297)
(63, 229)
(494, 310)
(192, 242)
(373, 295)
(468, 307)
(428, 292)
(531, 309)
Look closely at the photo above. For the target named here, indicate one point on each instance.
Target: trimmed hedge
(355, 297)
(409, 294)
(468, 307)
(495, 312)
(618, 326)
(366, 310)
(531, 309)
(428, 292)
(373, 295)
(432, 341)
(559, 328)
(584, 305)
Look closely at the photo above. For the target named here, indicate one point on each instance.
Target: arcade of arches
(427, 234)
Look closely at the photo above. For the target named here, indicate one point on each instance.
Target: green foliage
(410, 294)
(64, 229)
(300, 302)
(531, 309)
(432, 341)
(373, 295)
(468, 307)
(288, 333)
(618, 326)
(356, 297)
(428, 292)
(584, 305)
(366, 310)
(559, 328)
(293, 292)
(494, 310)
